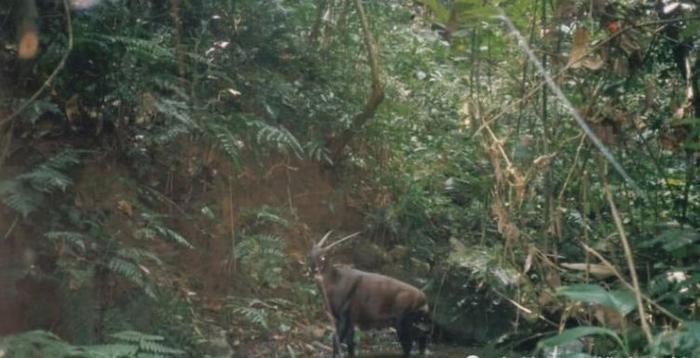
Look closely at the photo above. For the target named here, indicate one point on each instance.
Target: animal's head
(317, 256)
(421, 320)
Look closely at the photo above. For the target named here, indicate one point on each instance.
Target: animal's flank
(368, 300)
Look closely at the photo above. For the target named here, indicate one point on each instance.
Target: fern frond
(269, 215)
(20, 198)
(280, 302)
(227, 141)
(74, 238)
(136, 337)
(65, 159)
(25, 193)
(177, 110)
(167, 134)
(145, 233)
(148, 49)
(127, 269)
(171, 84)
(253, 315)
(280, 137)
(115, 350)
(137, 255)
(150, 355)
(153, 347)
(131, 344)
(39, 107)
(171, 235)
(155, 227)
(318, 152)
(260, 245)
(46, 179)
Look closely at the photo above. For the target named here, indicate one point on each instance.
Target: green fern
(261, 314)
(27, 192)
(317, 151)
(128, 344)
(260, 245)
(36, 343)
(20, 197)
(254, 315)
(148, 49)
(262, 257)
(171, 235)
(46, 179)
(138, 255)
(177, 110)
(226, 141)
(280, 137)
(171, 84)
(132, 272)
(73, 238)
(135, 337)
(40, 107)
(116, 350)
(126, 269)
(266, 215)
(133, 344)
(154, 228)
(152, 347)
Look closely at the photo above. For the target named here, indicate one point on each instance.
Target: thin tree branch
(525, 309)
(630, 263)
(573, 167)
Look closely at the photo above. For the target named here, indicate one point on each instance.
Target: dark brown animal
(368, 301)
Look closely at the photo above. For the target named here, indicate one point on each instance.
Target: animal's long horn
(341, 240)
(325, 237)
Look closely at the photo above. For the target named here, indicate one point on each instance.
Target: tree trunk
(338, 144)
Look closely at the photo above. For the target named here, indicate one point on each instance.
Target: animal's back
(379, 300)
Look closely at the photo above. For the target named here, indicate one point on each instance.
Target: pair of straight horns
(328, 234)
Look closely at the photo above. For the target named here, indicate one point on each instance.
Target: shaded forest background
(166, 165)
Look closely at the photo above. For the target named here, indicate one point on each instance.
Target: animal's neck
(327, 277)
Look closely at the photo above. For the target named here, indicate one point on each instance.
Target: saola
(368, 301)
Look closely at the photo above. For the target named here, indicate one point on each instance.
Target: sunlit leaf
(622, 301)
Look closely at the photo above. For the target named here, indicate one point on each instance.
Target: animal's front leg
(346, 332)
(336, 344)
(421, 331)
(403, 330)
(350, 339)
(422, 342)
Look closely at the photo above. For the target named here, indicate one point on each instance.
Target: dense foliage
(165, 165)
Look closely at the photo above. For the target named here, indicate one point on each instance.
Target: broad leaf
(578, 332)
(622, 301)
